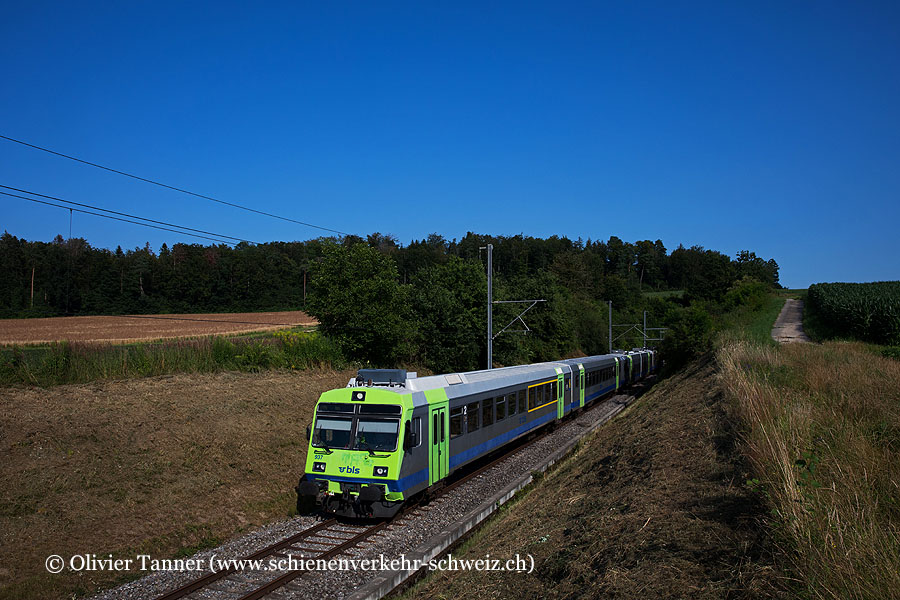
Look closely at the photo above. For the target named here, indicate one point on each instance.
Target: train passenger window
(487, 411)
(456, 423)
(510, 405)
(501, 408)
(523, 406)
(568, 384)
(416, 431)
(532, 396)
(553, 395)
(471, 417)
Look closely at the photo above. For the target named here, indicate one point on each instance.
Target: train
(390, 435)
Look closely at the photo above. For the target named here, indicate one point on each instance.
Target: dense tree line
(384, 302)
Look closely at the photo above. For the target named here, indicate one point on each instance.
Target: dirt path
(789, 325)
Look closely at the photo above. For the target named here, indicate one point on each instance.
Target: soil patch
(134, 328)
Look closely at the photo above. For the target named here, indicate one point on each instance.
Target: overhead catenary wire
(221, 241)
(172, 187)
(121, 214)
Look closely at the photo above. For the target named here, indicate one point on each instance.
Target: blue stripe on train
(399, 485)
(499, 440)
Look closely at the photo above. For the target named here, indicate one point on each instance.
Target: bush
(689, 335)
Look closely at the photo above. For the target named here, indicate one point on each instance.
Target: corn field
(865, 311)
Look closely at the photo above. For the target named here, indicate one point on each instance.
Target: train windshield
(376, 434)
(332, 432)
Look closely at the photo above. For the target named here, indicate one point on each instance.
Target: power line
(125, 215)
(171, 187)
(117, 218)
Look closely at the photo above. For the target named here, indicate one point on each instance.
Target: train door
(581, 385)
(438, 453)
(616, 358)
(560, 396)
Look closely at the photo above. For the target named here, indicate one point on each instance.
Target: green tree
(449, 305)
(689, 335)
(360, 304)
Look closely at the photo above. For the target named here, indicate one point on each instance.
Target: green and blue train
(390, 435)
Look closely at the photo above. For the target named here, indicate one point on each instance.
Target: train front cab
(357, 444)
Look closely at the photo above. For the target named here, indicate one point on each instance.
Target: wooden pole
(32, 286)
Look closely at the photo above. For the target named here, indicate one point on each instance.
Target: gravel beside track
(420, 527)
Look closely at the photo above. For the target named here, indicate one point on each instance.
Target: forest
(386, 303)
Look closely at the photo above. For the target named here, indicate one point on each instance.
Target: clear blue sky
(769, 126)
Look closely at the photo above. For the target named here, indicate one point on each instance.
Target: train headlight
(318, 467)
(380, 472)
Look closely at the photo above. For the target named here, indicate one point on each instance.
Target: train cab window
(471, 417)
(487, 411)
(376, 434)
(332, 432)
(456, 423)
(510, 405)
(501, 408)
(523, 406)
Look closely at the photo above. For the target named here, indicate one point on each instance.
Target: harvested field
(158, 466)
(133, 328)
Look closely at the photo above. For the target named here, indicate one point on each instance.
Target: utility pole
(32, 286)
(490, 306)
(69, 271)
(610, 326)
(645, 330)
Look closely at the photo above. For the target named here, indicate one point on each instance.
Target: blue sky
(769, 126)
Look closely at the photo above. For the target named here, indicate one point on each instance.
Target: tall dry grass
(822, 431)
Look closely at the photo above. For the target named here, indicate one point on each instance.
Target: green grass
(753, 323)
(79, 362)
(821, 429)
(820, 425)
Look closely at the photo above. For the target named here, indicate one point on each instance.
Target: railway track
(323, 541)
(331, 538)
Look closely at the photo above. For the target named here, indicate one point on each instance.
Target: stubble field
(161, 466)
(134, 328)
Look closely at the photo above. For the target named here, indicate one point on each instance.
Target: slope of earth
(133, 328)
(654, 505)
(161, 466)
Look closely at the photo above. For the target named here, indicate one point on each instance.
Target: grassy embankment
(80, 362)
(822, 431)
(653, 505)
